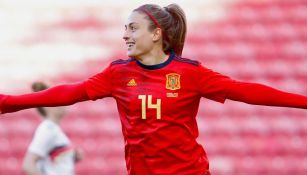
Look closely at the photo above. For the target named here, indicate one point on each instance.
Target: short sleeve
(99, 85)
(43, 140)
(213, 85)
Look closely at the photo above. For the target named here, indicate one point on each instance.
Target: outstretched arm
(62, 95)
(258, 94)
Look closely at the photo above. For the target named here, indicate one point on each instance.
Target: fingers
(78, 155)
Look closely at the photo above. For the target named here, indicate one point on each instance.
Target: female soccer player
(50, 151)
(157, 94)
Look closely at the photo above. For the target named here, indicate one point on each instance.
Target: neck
(55, 119)
(153, 57)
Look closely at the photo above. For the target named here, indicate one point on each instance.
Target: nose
(126, 35)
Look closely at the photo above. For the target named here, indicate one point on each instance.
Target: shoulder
(187, 61)
(122, 61)
(193, 66)
(47, 126)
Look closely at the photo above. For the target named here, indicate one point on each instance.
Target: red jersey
(157, 107)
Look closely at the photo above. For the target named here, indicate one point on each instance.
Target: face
(57, 112)
(138, 38)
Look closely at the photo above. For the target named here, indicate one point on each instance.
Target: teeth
(130, 44)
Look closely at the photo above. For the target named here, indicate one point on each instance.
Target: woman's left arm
(258, 94)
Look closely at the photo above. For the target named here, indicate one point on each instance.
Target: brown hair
(172, 21)
(36, 87)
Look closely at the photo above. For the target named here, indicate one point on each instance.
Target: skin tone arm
(29, 164)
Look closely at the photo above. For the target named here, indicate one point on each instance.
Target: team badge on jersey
(172, 81)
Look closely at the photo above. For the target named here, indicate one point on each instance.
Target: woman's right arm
(30, 164)
(61, 95)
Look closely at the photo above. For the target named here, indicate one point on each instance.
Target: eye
(133, 28)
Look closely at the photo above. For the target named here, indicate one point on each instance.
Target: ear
(157, 34)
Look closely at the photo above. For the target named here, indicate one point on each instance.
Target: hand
(79, 155)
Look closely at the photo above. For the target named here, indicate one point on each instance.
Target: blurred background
(63, 41)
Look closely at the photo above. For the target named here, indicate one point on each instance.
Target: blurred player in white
(50, 152)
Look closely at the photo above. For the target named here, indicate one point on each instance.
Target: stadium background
(62, 41)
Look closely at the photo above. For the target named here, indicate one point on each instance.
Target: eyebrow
(130, 24)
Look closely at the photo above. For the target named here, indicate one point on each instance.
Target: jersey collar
(172, 55)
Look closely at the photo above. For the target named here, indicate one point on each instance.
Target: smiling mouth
(130, 44)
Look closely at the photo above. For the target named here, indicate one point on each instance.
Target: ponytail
(177, 32)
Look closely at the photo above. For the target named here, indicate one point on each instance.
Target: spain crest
(172, 81)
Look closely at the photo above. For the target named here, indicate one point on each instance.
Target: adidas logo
(131, 83)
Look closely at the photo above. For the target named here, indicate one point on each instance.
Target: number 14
(156, 106)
